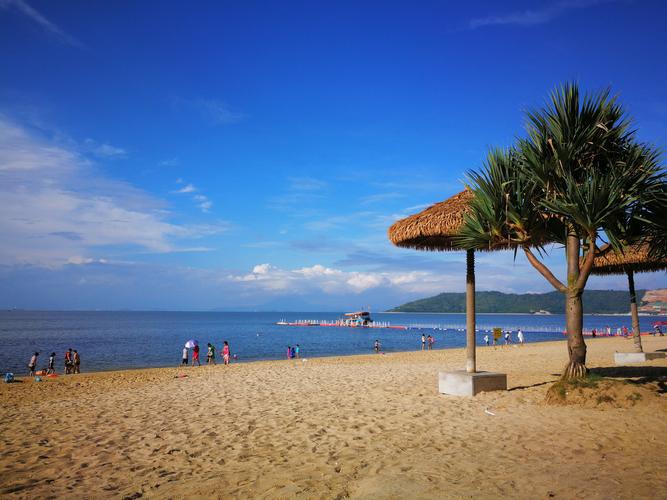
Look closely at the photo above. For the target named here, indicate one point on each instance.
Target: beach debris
(486, 410)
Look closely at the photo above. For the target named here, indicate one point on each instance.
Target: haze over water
(122, 340)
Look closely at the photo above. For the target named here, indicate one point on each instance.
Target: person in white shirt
(519, 335)
(486, 339)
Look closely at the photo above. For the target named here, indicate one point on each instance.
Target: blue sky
(236, 155)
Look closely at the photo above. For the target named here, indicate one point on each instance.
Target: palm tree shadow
(636, 375)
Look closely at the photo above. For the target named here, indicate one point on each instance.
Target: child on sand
(184, 360)
(225, 352)
(33, 364)
(377, 346)
(195, 355)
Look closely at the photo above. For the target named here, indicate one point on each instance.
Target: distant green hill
(595, 302)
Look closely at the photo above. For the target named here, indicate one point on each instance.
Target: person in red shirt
(225, 352)
(195, 355)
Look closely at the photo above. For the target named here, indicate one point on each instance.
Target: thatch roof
(433, 228)
(633, 258)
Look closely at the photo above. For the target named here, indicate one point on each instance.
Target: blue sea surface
(122, 340)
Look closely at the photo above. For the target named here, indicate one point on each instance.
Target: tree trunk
(634, 313)
(471, 362)
(574, 312)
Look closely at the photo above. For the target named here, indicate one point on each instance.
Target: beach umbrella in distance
(191, 343)
(634, 259)
(435, 229)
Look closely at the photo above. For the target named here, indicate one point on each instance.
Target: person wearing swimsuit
(225, 352)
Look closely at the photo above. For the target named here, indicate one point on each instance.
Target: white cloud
(189, 188)
(56, 206)
(22, 7)
(170, 162)
(534, 17)
(104, 150)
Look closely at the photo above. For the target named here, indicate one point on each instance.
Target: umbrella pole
(634, 313)
(471, 364)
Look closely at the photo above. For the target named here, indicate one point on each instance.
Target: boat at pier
(358, 319)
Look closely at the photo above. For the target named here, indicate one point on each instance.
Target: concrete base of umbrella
(622, 358)
(462, 383)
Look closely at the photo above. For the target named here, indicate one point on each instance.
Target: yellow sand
(364, 426)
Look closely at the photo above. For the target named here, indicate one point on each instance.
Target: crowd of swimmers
(72, 363)
(210, 354)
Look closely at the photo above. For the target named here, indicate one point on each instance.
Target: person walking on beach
(210, 354)
(376, 346)
(486, 340)
(289, 352)
(225, 352)
(68, 361)
(508, 338)
(292, 353)
(519, 335)
(76, 362)
(52, 364)
(423, 342)
(195, 355)
(184, 359)
(32, 364)
(297, 351)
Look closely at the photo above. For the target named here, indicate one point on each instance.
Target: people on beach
(76, 362)
(594, 333)
(68, 361)
(210, 354)
(625, 331)
(609, 331)
(225, 352)
(423, 342)
(657, 331)
(32, 364)
(289, 352)
(297, 351)
(508, 338)
(292, 352)
(195, 355)
(519, 336)
(377, 346)
(486, 340)
(52, 364)
(430, 341)
(184, 359)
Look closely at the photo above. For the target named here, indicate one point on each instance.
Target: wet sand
(362, 427)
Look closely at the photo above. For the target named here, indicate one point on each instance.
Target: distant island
(595, 302)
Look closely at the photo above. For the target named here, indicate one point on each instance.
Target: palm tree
(565, 182)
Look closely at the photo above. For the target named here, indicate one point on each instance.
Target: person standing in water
(423, 342)
(225, 352)
(210, 354)
(52, 364)
(195, 355)
(68, 361)
(377, 346)
(289, 352)
(297, 351)
(486, 340)
(32, 364)
(76, 362)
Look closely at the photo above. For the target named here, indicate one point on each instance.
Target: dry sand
(362, 427)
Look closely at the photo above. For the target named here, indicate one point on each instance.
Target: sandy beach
(370, 426)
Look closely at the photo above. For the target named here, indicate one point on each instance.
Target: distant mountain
(595, 302)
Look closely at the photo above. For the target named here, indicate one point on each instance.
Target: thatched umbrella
(634, 259)
(435, 229)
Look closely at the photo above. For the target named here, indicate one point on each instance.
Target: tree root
(574, 370)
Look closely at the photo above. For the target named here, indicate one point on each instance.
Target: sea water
(121, 340)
